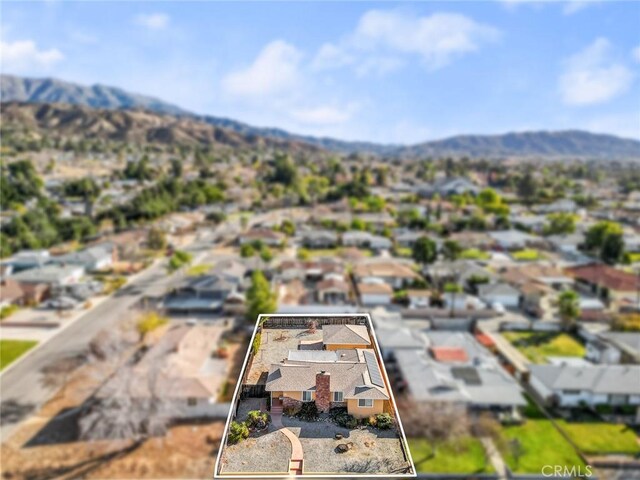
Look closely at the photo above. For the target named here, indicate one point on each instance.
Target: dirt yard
(274, 346)
(265, 453)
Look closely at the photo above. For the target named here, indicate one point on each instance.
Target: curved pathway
(297, 455)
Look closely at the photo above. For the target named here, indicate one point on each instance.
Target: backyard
(538, 346)
(10, 350)
(539, 444)
(599, 438)
(527, 255)
(466, 455)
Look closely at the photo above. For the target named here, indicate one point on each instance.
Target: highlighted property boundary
(239, 385)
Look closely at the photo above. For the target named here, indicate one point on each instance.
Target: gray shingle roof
(345, 335)
(604, 379)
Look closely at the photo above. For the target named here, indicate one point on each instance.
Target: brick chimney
(323, 391)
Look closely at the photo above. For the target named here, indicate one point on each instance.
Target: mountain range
(177, 122)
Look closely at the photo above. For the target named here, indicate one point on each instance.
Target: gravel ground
(274, 346)
(374, 451)
(269, 452)
(248, 404)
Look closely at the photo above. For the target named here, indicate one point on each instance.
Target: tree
(156, 239)
(560, 223)
(284, 171)
(176, 168)
(568, 308)
(612, 250)
(260, 298)
(288, 227)
(527, 187)
(437, 422)
(179, 260)
(424, 251)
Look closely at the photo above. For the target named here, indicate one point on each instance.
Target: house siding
(362, 412)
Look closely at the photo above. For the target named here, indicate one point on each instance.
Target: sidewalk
(494, 457)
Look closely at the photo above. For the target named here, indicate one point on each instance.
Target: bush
(150, 322)
(346, 420)
(256, 344)
(238, 431)
(384, 421)
(308, 412)
(290, 410)
(257, 419)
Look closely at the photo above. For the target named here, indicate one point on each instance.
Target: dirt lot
(274, 346)
(374, 451)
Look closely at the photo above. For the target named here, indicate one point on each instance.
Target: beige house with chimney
(343, 372)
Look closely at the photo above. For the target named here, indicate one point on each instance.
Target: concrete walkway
(494, 457)
(297, 455)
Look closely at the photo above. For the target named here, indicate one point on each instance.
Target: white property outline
(403, 437)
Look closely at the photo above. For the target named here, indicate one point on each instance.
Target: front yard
(599, 438)
(466, 455)
(374, 451)
(537, 346)
(10, 350)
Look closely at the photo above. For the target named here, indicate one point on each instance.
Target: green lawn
(12, 349)
(474, 254)
(634, 257)
(465, 456)
(541, 444)
(197, 270)
(527, 255)
(537, 346)
(601, 438)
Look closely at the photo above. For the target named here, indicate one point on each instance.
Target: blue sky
(385, 72)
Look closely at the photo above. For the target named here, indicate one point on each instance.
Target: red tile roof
(605, 276)
(484, 340)
(449, 354)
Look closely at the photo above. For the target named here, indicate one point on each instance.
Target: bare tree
(437, 422)
(134, 403)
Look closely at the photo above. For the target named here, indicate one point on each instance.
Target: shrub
(384, 421)
(149, 322)
(371, 421)
(346, 420)
(257, 419)
(238, 431)
(256, 344)
(308, 412)
(291, 410)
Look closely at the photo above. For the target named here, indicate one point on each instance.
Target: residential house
(530, 223)
(448, 186)
(345, 373)
(374, 292)
(574, 385)
(365, 240)
(52, 275)
(614, 348)
(564, 205)
(514, 240)
(265, 235)
(500, 293)
(92, 259)
(13, 292)
(319, 239)
(407, 238)
(187, 378)
(616, 288)
(393, 272)
(333, 289)
(454, 367)
(26, 259)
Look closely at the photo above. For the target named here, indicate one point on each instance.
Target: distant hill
(65, 121)
(568, 143)
(559, 144)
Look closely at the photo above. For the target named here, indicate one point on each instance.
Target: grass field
(595, 438)
(474, 254)
(10, 350)
(537, 346)
(541, 444)
(197, 270)
(527, 255)
(465, 456)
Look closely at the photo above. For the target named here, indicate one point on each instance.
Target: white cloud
(24, 55)
(383, 35)
(575, 6)
(325, 114)
(591, 76)
(635, 53)
(275, 70)
(153, 21)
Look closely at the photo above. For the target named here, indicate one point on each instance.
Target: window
(365, 402)
(571, 392)
(338, 396)
(192, 402)
(306, 396)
